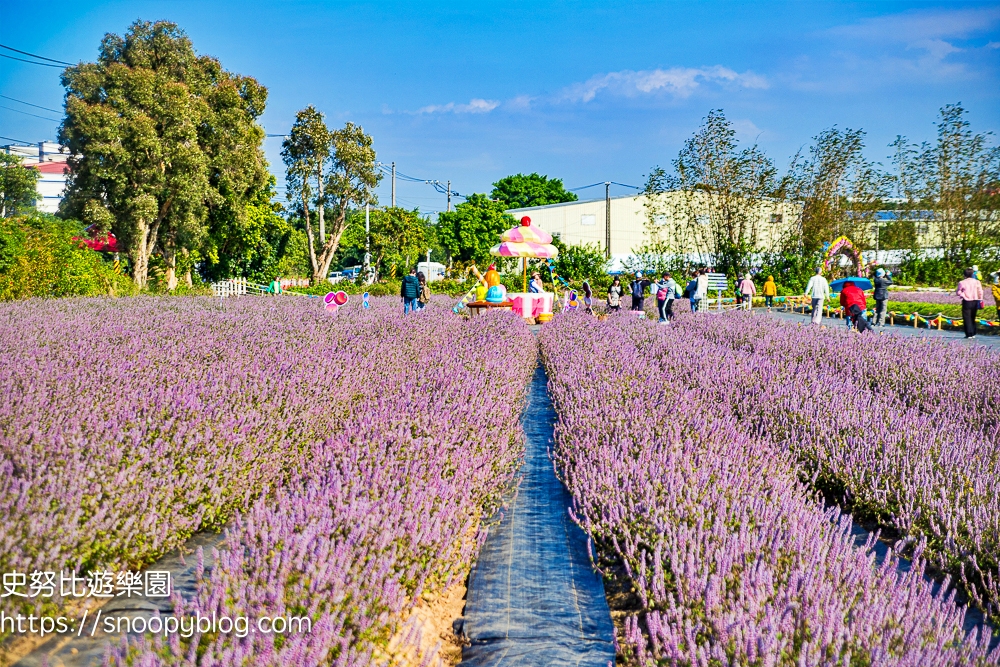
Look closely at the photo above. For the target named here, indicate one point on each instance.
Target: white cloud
(677, 81)
(922, 26)
(475, 105)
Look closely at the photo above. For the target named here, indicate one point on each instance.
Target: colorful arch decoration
(843, 246)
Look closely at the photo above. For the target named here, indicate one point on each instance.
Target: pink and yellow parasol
(525, 240)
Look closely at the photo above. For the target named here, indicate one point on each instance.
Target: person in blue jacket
(409, 291)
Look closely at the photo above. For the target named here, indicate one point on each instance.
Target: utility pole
(368, 256)
(394, 185)
(607, 219)
(449, 196)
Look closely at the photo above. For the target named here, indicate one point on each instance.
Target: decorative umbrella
(862, 283)
(526, 240)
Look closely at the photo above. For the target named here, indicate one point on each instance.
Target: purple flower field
(926, 297)
(358, 452)
(692, 452)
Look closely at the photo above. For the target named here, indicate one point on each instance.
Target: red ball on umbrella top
(525, 221)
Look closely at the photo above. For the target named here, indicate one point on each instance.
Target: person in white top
(818, 290)
(701, 291)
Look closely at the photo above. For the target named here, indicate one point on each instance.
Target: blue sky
(587, 92)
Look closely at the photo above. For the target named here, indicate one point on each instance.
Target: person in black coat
(409, 291)
(881, 282)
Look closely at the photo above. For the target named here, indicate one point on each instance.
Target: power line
(25, 53)
(37, 106)
(30, 62)
(20, 141)
(594, 185)
(35, 115)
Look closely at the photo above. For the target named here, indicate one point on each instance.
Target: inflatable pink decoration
(334, 300)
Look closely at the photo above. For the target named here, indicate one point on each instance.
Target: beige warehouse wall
(629, 217)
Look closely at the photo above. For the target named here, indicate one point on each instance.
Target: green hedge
(39, 258)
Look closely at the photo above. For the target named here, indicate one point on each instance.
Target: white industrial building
(631, 220)
(49, 158)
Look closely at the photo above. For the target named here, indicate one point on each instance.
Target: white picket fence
(237, 287)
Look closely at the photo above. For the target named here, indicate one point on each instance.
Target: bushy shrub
(39, 258)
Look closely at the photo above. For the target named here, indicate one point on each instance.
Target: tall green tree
(475, 226)
(521, 191)
(955, 179)
(17, 185)
(342, 165)
(841, 192)
(251, 245)
(160, 137)
(723, 189)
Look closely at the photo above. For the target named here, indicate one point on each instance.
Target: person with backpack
(639, 286)
(770, 291)
(748, 290)
(854, 303)
(690, 289)
(425, 291)
(410, 291)
(615, 295)
(881, 282)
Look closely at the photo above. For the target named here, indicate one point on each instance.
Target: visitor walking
(588, 298)
(854, 303)
(881, 282)
(666, 292)
(536, 286)
(770, 291)
(690, 289)
(701, 292)
(818, 290)
(425, 291)
(409, 291)
(639, 286)
(615, 295)
(748, 290)
(970, 291)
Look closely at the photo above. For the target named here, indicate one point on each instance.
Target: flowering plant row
(924, 297)
(733, 559)
(906, 431)
(357, 451)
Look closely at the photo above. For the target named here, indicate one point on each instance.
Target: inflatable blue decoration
(495, 294)
(364, 300)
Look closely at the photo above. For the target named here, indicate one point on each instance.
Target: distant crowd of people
(666, 290)
(416, 294)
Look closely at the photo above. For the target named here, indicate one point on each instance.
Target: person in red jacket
(853, 301)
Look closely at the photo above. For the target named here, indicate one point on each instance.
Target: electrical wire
(20, 141)
(25, 53)
(37, 106)
(30, 62)
(35, 115)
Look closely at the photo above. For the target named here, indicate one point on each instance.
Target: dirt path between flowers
(534, 599)
(80, 648)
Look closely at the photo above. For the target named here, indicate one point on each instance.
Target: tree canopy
(523, 190)
(161, 138)
(341, 163)
(475, 226)
(17, 185)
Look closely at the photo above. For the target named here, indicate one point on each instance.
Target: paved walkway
(896, 330)
(533, 597)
